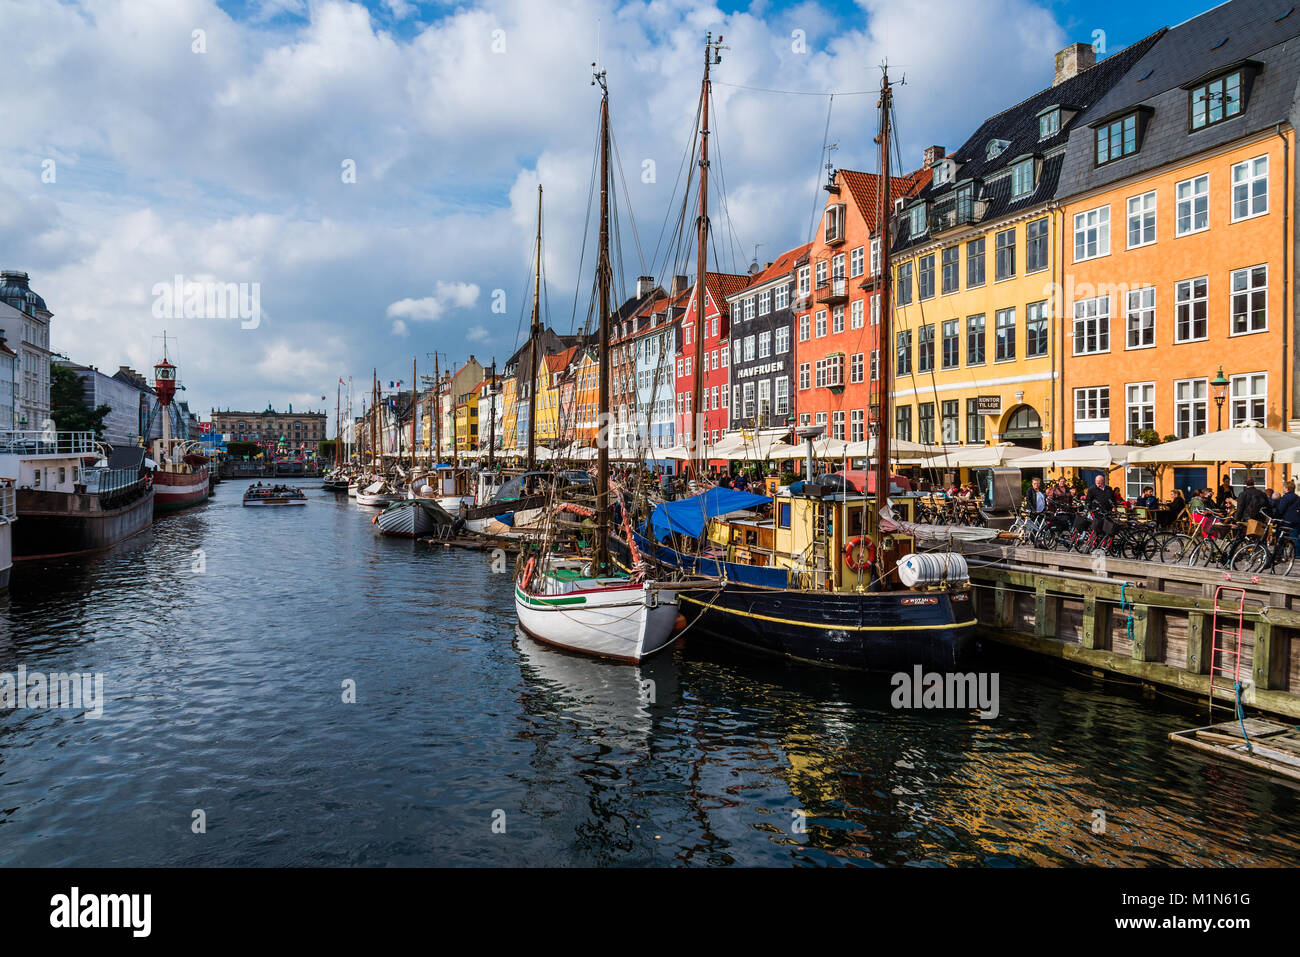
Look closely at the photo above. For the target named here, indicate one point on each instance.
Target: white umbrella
(678, 452)
(1099, 455)
(981, 456)
(1247, 443)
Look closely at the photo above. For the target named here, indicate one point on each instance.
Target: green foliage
(68, 406)
(1147, 437)
(325, 450)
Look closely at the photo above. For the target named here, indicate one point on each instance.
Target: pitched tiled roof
(724, 284)
(780, 266)
(1260, 30)
(865, 188)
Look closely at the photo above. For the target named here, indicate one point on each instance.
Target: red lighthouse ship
(181, 471)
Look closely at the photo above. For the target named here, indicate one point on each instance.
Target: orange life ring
(528, 573)
(851, 551)
(148, 480)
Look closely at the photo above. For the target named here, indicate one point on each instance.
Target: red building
(717, 358)
(836, 309)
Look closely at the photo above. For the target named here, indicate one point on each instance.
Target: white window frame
(765, 302)
(1145, 403)
(857, 261)
(804, 328)
(1089, 399)
(1249, 180)
(782, 343)
(1195, 198)
(1191, 403)
(1247, 293)
(764, 345)
(855, 314)
(1145, 306)
(1092, 312)
(1096, 221)
(1185, 297)
(1143, 208)
(1247, 379)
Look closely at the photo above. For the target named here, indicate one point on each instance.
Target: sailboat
(836, 584)
(579, 603)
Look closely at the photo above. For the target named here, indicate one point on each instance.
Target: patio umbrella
(1247, 443)
(1099, 455)
(981, 456)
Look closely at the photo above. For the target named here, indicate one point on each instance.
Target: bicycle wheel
(1202, 554)
(1250, 557)
(1283, 557)
(1146, 547)
(1174, 548)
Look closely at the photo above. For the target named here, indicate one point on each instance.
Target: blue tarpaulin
(690, 515)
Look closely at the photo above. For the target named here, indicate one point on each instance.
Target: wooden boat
(181, 475)
(1273, 748)
(412, 518)
(580, 604)
(378, 494)
(259, 496)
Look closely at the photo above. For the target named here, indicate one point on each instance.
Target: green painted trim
(549, 602)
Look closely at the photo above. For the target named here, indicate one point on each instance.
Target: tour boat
(266, 495)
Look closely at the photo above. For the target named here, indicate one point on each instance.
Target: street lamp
(1220, 386)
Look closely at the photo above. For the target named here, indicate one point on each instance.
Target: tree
(68, 406)
(325, 450)
(240, 450)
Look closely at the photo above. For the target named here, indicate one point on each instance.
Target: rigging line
(737, 247)
(586, 232)
(812, 222)
(759, 89)
(687, 155)
(618, 165)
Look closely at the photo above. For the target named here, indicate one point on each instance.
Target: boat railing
(107, 481)
(42, 442)
(8, 500)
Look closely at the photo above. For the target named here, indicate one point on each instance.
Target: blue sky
(226, 164)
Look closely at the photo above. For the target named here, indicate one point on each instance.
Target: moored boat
(267, 495)
(378, 493)
(412, 518)
(181, 476)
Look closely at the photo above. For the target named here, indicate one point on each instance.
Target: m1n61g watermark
(182, 299)
(34, 690)
(951, 690)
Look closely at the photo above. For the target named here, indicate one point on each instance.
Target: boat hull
(174, 490)
(407, 519)
(269, 502)
(53, 524)
(627, 623)
(381, 500)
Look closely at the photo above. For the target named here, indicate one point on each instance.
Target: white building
(24, 319)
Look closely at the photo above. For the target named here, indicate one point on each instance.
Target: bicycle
(1273, 552)
(1225, 549)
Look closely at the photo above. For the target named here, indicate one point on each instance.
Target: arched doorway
(1024, 427)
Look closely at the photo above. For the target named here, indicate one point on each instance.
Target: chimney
(679, 285)
(644, 285)
(933, 154)
(1072, 61)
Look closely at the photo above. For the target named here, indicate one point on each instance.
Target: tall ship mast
(181, 476)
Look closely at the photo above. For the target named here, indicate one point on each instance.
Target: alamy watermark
(949, 690)
(182, 299)
(64, 689)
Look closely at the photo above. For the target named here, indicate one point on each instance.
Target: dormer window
(1023, 179)
(835, 224)
(995, 148)
(916, 220)
(1120, 135)
(1217, 100)
(942, 174)
(1049, 123)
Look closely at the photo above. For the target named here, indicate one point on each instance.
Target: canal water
(225, 675)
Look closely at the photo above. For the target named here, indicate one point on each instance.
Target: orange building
(1178, 243)
(836, 311)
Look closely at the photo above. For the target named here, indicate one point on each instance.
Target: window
(1140, 317)
(856, 367)
(726, 352)
(1092, 409)
(875, 256)
(975, 340)
(875, 310)
(904, 364)
(1092, 234)
(1049, 124)
(925, 349)
(950, 426)
(1005, 335)
(1216, 101)
(925, 278)
(1036, 329)
(1136, 479)
(856, 430)
(747, 393)
(837, 319)
(803, 328)
(829, 372)
(1191, 407)
(805, 419)
(764, 398)
(1250, 188)
(1249, 398)
(855, 314)
(1191, 309)
(821, 324)
(916, 220)
(1250, 300)
(804, 281)
(1142, 219)
(837, 266)
(781, 298)
(782, 396)
(1022, 178)
(1140, 400)
(1117, 138)
(1092, 325)
(821, 273)
(856, 257)
(975, 263)
(875, 365)
(904, 284)
(951, 344)
(1193, 212)
(749, 348)
(782, 340)
(1036, 245)
(903, 422)
(764, 345)
(925, 423)
(974, 422)
(765, 302)
(1005, 254)
(837, 425)
(951, 269)
(835, 223)
(736, 346)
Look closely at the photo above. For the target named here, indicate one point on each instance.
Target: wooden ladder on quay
(1225, 640)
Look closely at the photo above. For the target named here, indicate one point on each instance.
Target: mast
(603, 276)
(701, 263)
(886, 335)
(338, 422)
(492, 416)
(437, 413)
(415, 395)
(534, 334)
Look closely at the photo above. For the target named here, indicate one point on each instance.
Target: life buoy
(148, 480)
(851, 553)
(528, 573)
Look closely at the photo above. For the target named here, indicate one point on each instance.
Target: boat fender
(851, 552)
(528, 573)
(375, 520)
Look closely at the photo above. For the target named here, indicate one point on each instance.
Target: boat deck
(1273, 747)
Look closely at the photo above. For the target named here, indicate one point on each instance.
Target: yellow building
(466, 417)
(509, 409)
(977, 265)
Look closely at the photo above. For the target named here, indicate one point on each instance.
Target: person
(1148, 498)
(1225, 494)
(1250, 503)
(1287, 508)
(666, 487)
(1117, 495)
(1060, 493)
(1100, 501)
(740, 482)
(1168, 515)
(1037, 499)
